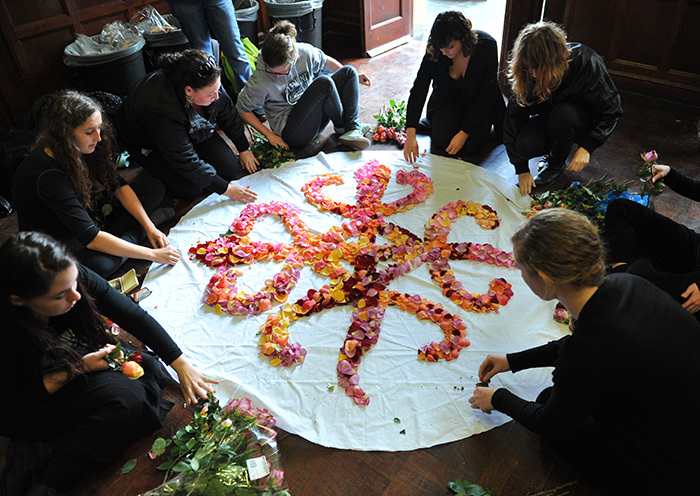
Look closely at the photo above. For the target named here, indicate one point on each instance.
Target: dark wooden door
(387, 23)
(649, 46)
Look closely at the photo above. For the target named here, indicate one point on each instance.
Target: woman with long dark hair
(624, 400)
(69, 181)
(299, 101)
(65, 411)
(462, 64)
(561, 94)
(169, 121)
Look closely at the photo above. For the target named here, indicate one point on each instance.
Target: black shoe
(548, 172)
(424, 127)
(24, 460)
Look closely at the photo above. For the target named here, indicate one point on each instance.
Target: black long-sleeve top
(155, 116)
(587, 84)
(632, 364)
(481, 92)
(21, 377)
(683, 184)
(47, 202)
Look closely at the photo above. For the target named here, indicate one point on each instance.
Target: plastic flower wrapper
(646, 173)
(126, 364)
(391, 123)
(268, 156)
(223, 451)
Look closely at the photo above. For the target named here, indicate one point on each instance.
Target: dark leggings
(553, 133)
(655, 247)
(328, 98)
(446, 122)
(214, 151)
(93, 419)
(122, 224)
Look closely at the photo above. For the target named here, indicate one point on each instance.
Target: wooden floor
(509, 460)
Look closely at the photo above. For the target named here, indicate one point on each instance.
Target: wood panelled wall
(649, 46)
(34, 34)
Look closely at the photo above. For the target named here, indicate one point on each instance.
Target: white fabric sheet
(429, 399)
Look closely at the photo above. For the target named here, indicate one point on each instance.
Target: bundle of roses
(126, 364)
(223, 451)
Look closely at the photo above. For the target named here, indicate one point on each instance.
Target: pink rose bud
(651, 156)
(132, 370)
(226, 423)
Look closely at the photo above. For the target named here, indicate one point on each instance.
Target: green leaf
(465, 488)
(194, 463)
(331, 388)
(181, 467)
(129, 466)
(402, 431)
(397, 420)
(159, 446)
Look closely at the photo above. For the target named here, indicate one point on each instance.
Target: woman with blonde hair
(298, 99)
(561, 94)
(611, 408)
(63, 187)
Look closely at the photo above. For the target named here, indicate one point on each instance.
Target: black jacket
(154, 116)
(481, 92)
(588, 85)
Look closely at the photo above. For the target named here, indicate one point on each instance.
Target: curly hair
(29, 265)
(65, 111)
(451, 26)
(540, 46)
(562, 244)
(280, 46)
(194, 68)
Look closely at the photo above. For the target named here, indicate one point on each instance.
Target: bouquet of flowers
(268, 156)
(126, 364)
(223, 451)
(391, 123)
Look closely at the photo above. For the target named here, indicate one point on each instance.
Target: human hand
(277, 141)
(250, 163)
(659, 171)
(492, 365)
(411, 151)
(92, 362)
(580, 160)
(240, 193)
(457, 143)
(692, 303)
(157, 238)
(481, 399)
(166, 255)
(192, 382)
(364, 79)
(526, 183)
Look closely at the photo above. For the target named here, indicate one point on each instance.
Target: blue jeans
(198, 17)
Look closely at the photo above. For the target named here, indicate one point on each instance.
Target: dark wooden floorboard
(509, 459)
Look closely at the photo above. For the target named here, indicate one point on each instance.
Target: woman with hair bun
(65, 411)
(562, 94)
(625, 395)
(466, 101)
(298, 99)
(61, 186)
(168, 124)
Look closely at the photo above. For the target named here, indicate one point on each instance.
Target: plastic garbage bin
(247, 18)
(114, 72)
(160, 42)
(304, 14)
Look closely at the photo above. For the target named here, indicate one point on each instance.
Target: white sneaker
(355, 139)
(364, 128)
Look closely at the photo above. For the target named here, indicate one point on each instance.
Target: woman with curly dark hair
(169, 121)
(462, 65)
(71, 179)
(65, 412)
(562, 94)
